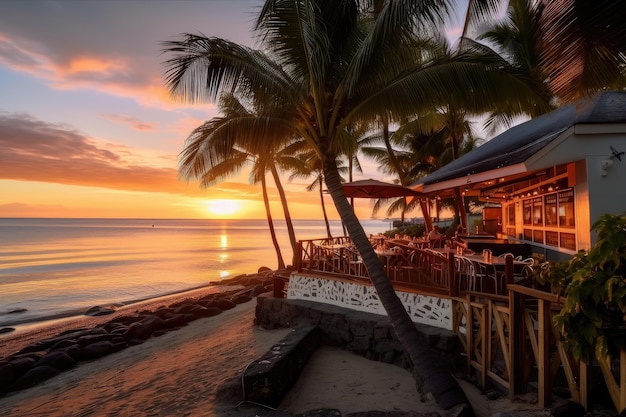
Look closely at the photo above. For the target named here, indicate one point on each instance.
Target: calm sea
(61, 267)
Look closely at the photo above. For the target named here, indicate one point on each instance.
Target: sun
(222, 207)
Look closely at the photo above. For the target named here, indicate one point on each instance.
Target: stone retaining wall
(366, 334)
(268, 379)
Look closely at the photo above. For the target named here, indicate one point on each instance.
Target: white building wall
(607, 190)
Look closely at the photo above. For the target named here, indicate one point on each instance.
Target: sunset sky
(86, 126)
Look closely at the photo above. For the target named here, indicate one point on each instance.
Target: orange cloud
(108, 74)
(94, 65)
(33, 150)
(130, 121)
(40, 152)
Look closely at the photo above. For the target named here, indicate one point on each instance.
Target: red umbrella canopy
(376, 189)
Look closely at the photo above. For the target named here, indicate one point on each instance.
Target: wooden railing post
(543, 361)
(508, 270)
(453, 278)
(299, 257)
(516, 341)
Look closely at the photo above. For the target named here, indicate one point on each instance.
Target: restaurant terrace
(546, 181)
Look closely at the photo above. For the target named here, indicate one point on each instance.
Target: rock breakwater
(46, 358)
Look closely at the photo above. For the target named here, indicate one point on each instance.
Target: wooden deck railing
(420, 269)
(509, 339)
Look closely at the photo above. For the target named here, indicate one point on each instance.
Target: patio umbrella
(377, 189)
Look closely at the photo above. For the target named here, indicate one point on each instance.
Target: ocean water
(52, 268)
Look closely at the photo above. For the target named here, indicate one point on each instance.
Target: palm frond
(202, 68)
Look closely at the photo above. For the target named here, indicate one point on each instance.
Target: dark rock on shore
(58, 360)
(6, 329)
(225, 304)
(99, 311)
(46, 358)
(96, 350)
(34, 376)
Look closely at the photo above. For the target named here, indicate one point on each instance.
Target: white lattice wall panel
(423, 309)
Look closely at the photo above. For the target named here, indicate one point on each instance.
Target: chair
(404, 266)
(356, 266)
(466, 273)
(524, 275)
(486, 272)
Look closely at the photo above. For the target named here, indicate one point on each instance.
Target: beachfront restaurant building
(546, 181)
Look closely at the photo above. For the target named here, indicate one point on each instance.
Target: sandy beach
(180, 372)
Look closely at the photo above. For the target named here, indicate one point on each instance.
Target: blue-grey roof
(520, 142)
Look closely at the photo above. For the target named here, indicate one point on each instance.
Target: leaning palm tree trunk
(321, 186)
(288, 221)
(428, 368)
(270, 223)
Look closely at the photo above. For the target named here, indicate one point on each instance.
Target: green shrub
(416, 230)
(592, 320)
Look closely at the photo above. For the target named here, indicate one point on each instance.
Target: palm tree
(326, 65)
(583, 46)
(311, 166)
(394, 158)
(568, 48)
(204, 159)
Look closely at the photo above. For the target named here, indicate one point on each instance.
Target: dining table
(499, 246)
(388, 256)
(494, 267)
(335, 253)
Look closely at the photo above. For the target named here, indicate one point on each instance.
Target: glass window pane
(566, 209)
(550, 210)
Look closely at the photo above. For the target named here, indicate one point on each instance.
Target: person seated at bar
(435, 237)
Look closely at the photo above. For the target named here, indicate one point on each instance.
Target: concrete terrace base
(366, 334)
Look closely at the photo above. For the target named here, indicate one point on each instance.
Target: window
(552, 238)
(538, 211)
(566, 209)
(550, 210)
(544, 215)
(511, 215)
(528, 234)
(528, 211)
(568, 241)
